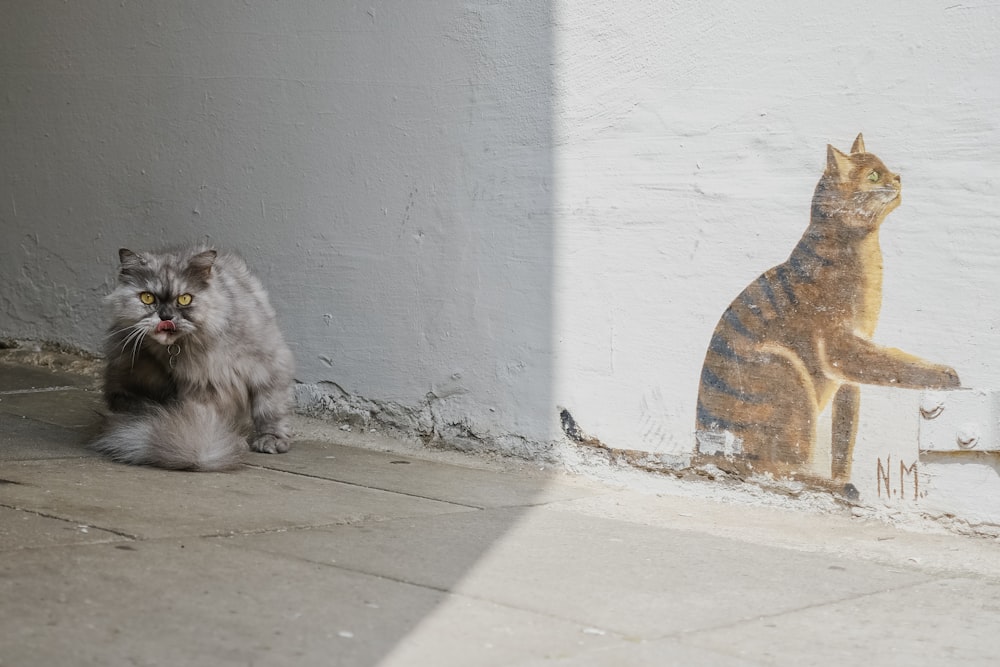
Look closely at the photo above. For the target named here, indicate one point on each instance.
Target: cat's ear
(838, 165)
(859, 145)
(200, 266)
(130, 260)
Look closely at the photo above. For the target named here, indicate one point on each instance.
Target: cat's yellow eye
(147, 298)
(184, 300)
(874, 176)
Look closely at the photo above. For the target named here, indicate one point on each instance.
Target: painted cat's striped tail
(185, 436)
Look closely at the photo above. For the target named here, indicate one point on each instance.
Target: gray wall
(385, 168)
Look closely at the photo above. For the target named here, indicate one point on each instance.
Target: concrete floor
(352, 555)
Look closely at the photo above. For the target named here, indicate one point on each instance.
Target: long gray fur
(188, 399)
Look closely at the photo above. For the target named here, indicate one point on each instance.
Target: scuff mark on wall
(430, 420)
(679, 466)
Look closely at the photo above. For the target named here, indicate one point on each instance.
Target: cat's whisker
(125, 341)
(125, 328)
(135, 345)
(137, 333)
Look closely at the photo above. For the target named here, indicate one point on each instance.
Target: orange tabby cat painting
(798, 338)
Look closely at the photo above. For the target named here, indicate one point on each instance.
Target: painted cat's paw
(269, 443)
(947, 379)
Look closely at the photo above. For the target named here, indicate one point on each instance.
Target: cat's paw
(269, 443)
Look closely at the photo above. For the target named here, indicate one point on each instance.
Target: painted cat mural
(799, 336)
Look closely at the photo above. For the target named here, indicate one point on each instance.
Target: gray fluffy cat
(194, 357)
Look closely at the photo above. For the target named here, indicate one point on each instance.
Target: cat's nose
(165, 316)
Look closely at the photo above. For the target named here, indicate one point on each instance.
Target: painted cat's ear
(837, 164)
(200, 266)
(859, 145)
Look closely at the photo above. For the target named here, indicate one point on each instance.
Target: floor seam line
(363, 486)
(818, 605)
(114, 531)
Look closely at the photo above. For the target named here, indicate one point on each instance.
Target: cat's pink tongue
(165, 325)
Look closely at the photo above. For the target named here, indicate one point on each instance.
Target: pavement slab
(70, 408)
(19, 377)
(637, 581)
(27, 530)
(951, 621)
(23, 439)
(657, 653)
(463, 631)
(149, 503)
(841, 535)
(427, 479)
(202, 602)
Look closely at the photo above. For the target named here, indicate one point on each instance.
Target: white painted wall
(689, 139)
(472, 213)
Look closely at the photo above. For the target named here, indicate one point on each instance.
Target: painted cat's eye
(147, 298)
(874, 176)
(184, 300)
